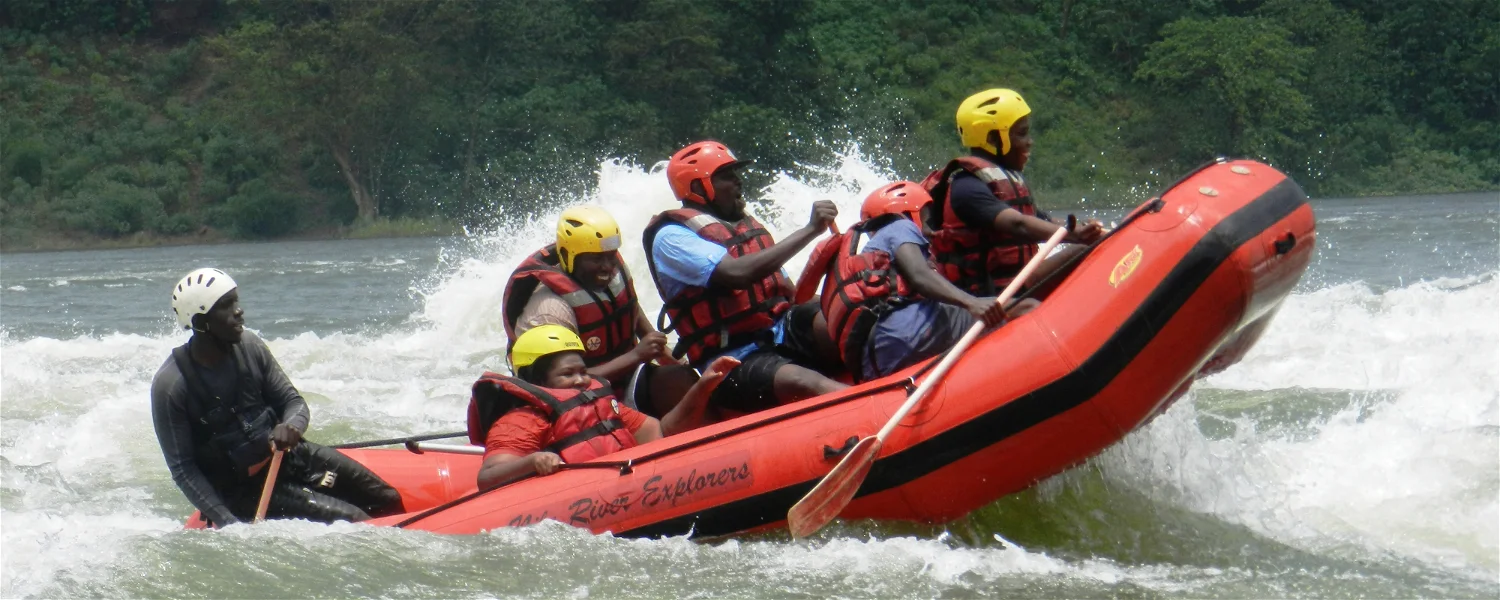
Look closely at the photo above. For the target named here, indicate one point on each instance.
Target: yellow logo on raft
(1125, 267)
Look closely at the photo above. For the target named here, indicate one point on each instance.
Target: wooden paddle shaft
(968, 340)
(265, 490)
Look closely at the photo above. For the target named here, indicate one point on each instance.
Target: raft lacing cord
(626, 467)
(1152, 206)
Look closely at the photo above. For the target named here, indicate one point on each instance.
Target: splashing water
(1353, 452)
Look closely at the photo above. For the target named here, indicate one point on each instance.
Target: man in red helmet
(719, 273)
(886, 306)
(986, 226)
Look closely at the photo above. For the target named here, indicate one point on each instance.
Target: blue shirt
(683, 259)
(906, 322)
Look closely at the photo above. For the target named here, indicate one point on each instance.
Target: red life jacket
(980, 262)
(586, 424)
(708, 320)
(606, 322)
(858, 289)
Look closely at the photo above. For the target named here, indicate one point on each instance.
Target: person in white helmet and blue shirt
(221, 402)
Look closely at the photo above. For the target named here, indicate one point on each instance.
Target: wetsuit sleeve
(278, 390)
(973, 202)
(174, 431)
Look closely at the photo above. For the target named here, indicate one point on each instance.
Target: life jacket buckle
(627, 467)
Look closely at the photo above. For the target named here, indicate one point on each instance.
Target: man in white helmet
(220, 403)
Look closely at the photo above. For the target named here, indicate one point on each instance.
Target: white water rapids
(1355, 451)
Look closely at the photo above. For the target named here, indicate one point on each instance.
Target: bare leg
(795, 383)
(1017, 308)
(1056, 261)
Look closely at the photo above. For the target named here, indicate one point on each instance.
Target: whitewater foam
(1417, 475)
(1411, 473)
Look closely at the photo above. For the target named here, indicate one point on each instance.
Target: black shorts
(750, 387)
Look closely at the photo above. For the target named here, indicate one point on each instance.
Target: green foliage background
(162, 118)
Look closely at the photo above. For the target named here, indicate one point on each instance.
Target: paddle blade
(833, 493)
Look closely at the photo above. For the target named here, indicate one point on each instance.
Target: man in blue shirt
(885, 305)
(719, 273)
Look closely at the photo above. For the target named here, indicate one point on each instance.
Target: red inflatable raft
(1182, 289)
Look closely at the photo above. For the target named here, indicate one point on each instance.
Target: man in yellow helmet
(986, 226)
(580, 282)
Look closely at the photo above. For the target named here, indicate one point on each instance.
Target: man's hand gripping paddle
(836, 490)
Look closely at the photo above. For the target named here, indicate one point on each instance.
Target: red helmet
(901, 197)
(698, 162)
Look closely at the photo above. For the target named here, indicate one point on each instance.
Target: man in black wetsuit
(221, 401)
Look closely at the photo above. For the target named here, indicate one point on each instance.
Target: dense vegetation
(260, 119)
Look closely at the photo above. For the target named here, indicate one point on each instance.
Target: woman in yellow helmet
(580, 282)
(554, 412)
(986, 226)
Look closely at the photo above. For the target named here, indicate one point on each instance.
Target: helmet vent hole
(989, 102)
(210, 281)
(575, 223)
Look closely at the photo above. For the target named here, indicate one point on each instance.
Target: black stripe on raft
(1016, 416)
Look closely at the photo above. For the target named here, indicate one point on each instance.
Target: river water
(1354, 452)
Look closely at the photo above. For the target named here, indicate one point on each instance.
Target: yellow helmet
(584, 229)
(542, 340)
(990, 110)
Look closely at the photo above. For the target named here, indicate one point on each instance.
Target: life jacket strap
(599, 429)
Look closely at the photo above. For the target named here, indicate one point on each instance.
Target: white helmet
(198, 292)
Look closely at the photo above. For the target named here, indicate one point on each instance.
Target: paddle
(420, 448)
(265, 491)
(399, 441)
(836, 490)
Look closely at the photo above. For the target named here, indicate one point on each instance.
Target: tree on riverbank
(263, 118)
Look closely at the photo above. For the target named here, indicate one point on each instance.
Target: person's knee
(795, 383)
(387, 502)
(300, 502)
(1022, 307)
